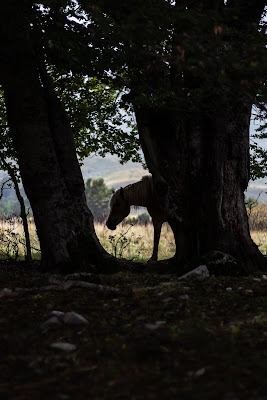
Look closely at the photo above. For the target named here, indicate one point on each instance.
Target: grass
(12, 240)
(136, 242)
(130, 242)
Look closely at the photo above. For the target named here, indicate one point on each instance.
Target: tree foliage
(103, 55)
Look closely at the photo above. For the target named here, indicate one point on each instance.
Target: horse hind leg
(157, 230)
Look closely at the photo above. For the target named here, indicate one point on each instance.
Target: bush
(144, 219)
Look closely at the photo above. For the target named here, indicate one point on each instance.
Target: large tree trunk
(44, 144)
(199, 155)
(201, 170)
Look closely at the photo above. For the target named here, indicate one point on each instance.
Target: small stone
(166, 284)
(56, 314)
(264, 277)
(256, 279)
(198, 273)
(228, 289)
(51, 323)
(6, 290)
(72, 318)
(200, 372)
(67, 347)
(167, 299)
(154, 326)
(184, 297)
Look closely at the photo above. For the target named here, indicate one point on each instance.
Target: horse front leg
(157, 229)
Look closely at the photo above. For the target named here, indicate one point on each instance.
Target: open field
(127, 241)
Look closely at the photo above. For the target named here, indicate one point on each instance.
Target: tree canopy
(100, 55)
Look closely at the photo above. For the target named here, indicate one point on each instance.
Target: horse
(140, 193)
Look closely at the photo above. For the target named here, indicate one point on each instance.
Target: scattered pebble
(167, 299)
(68, 347)
(264, 277)
(72, 318)
(184, 297)
(166, 284)
(228, 289)
(155, 325)
(51, 323)
(6, 290)
(198, 273)
(199, 372)
(56, 314)
(256, 279)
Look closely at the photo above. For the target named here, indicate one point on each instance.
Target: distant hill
(117, 175)
(110, 169)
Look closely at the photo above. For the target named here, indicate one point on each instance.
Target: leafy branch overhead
(105, 56)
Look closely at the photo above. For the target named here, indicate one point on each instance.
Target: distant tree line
(98, 196)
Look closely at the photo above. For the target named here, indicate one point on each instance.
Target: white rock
(228, 289)
(256, 279)
(155, 325)
(51, 323)
(72, 318)
(184, 297)
(56, 314)
(200, 372)
(198, 273)
(6, 290)
(167, 299)
(63, 346)
(264, 276)
(166, 284)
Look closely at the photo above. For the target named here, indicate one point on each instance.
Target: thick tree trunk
(200, 169)
(199, 159)
(44, 143)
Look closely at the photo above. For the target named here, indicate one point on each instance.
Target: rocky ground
(131, 336)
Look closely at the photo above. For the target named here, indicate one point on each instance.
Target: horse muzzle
(111, 225)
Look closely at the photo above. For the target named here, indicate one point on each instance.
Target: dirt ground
(146, 336)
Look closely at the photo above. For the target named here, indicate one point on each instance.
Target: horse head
(119, 209)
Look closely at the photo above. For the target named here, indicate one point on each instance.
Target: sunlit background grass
(133, 242)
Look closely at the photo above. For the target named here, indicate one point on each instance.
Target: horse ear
(122, 193)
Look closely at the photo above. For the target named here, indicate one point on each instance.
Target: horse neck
(138, 194)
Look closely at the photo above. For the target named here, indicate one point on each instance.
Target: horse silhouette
(140, 193)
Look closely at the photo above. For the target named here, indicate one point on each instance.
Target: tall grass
(130, 242)
(12, 239)
(136, 242)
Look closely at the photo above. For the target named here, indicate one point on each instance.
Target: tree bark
(200, 170)
(43, 140)
(199, 157)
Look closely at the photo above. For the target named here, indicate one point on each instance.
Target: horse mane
(136, 194)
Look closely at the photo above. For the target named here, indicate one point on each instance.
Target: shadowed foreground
(146, 337)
